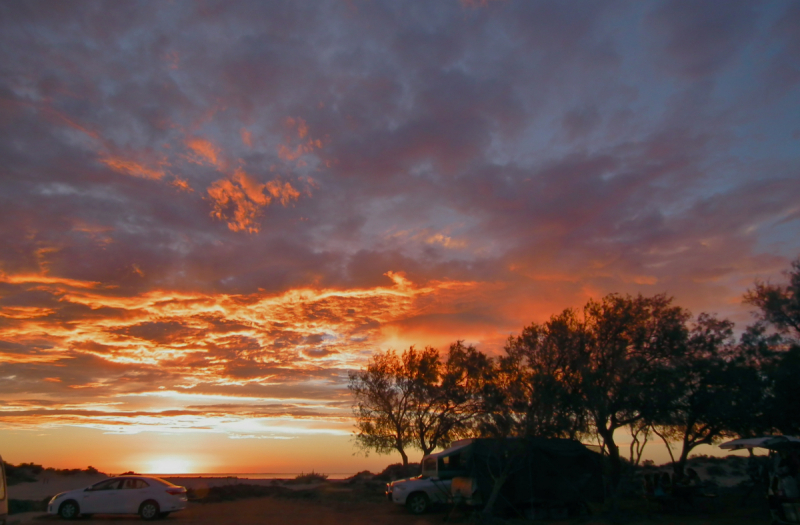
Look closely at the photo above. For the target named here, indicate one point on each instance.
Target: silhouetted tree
(416, 400)
(702, 390)
(779, 305)
(383, 404)
(628, 340)
(537, 381)
(778, 359)
(447, 400)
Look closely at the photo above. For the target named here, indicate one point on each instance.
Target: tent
(535, 472)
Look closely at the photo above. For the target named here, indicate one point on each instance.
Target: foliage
(623, 361)
(628, 341)
(383, 403)
(416, 400)
(398, 471)
(311, 477)
(539, 371)
(779, 305)
(18, 506)
(705, 389)
(778, 358)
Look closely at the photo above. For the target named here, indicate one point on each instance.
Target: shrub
(716, 470)
(17, 506)
(398, 471)
(311, 477)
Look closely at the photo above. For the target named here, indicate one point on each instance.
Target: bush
(234, 492)
(364, 475)
(311, 477)
(398, 471)
(17, 506)
(716, 470)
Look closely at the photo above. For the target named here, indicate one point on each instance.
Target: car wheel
(69, 510)
(149, 510)
(163, 515)
(418, 503)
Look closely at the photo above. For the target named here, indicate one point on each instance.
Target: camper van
(433, 485)
(3, 494)
(537, 474)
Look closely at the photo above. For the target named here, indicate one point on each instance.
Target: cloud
(203, 151)
(239, 199)
(410, 174)
(133, 168)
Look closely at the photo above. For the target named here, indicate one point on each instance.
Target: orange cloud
(203, 151)
(288, 152)
(208, 348)
(239, 199)
(247, 137)
(130, 167)
(44, 279)
(181, 184)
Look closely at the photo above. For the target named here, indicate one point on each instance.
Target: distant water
(249, 475)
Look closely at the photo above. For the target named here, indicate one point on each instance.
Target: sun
(170, 465)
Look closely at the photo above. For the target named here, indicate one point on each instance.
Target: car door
(134, 492)
(102, 498)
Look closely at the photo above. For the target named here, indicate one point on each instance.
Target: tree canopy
(622, 361)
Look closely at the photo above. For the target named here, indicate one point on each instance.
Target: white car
(146, 496)
(434, 485)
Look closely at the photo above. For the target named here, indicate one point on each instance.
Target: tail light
(176, 491)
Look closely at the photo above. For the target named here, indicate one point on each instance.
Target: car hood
(408, 481)
(69, 494)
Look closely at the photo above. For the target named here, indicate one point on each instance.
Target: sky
(211, 212)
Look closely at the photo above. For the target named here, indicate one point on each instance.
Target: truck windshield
(429, 468)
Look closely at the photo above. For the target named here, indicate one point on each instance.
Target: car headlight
(399, 488)
(54, 498)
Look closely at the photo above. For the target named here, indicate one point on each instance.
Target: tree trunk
(403, 455)
(613, 457)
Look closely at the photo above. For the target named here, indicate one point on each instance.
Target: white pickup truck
(433, 486)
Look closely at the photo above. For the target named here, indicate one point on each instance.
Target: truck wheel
(418, 503)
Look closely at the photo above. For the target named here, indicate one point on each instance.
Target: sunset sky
(210, 212)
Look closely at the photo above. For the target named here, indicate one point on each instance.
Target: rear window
(163, 482)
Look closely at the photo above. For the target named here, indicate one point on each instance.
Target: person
(649, 486)
(688, 486)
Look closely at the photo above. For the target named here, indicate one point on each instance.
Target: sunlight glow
(171, 465)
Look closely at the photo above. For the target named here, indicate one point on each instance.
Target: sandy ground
(268, 511)
(337, 503)
(51, 485)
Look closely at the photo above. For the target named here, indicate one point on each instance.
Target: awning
(769, 442)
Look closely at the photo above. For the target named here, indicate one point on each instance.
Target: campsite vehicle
(433, 485)
(782, 492)
(529, 475)
(147, 496)
(3, 494)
